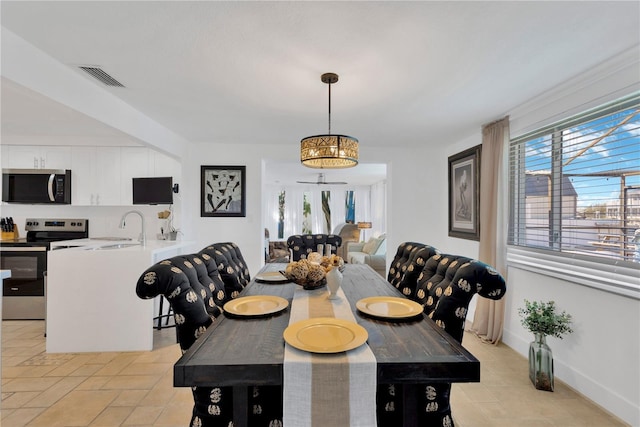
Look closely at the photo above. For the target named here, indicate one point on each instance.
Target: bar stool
(157, 321)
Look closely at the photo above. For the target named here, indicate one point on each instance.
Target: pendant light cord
(329, 108)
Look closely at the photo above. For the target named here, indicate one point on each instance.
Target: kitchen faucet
(143, 236)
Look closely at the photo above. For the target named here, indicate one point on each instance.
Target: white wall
(248, 232)
(600, 359)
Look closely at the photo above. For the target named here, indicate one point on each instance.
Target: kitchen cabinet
(4, 153)
(139, 162)
(38, 157)
(96, 176)
(135, 163)
(100, 176)
(164, 165)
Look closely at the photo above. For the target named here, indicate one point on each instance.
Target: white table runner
(321, 390)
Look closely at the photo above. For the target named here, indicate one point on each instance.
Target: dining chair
(195, 299)
(408, 262)
(444, 285)
(301, 245)
(213, 406)
(230, 265)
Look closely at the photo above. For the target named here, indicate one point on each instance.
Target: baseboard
(607, 399)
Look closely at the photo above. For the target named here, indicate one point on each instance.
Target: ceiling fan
(322, 181)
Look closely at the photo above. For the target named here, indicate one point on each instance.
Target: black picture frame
(464, 194)
(222, 191)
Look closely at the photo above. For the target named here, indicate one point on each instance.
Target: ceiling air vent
(101, 75)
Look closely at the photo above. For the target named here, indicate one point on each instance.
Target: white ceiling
(411, 73)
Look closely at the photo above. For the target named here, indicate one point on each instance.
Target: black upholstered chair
(444, 285)
(227, 259)
(196, 295)
(408, 262)
(302, 245)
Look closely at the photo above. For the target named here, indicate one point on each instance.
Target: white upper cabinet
(95, 176)
(135, 163)
(38, 157)
(164, 165)
(4, 152)
(100, 176)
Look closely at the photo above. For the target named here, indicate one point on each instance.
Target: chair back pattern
(301, 245)
(227, 259)
(444, 285)
(196, 292)
(407, 264)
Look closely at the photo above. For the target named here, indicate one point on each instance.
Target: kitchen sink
(114, 246)
(110, 238)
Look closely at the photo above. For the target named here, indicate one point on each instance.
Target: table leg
(241, 406)
(409, 405)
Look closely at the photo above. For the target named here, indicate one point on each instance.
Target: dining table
(242, 352)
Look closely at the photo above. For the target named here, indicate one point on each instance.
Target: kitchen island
(4, 274)
(91, 294)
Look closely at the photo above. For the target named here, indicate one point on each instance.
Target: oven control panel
(40, 224)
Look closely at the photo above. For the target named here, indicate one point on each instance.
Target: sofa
(301, 245)
(349, 232)
(444, 285)
(372, 252)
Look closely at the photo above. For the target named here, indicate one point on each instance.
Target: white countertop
(5, 274)
(90, 245)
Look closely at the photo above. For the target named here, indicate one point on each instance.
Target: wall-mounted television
(153, 191)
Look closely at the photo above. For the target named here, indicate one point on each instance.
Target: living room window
(574, 188)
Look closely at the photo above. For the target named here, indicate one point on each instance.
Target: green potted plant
(541, 319)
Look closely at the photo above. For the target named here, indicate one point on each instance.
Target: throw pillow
(371, 246)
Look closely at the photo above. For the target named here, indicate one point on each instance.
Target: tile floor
(135, 388)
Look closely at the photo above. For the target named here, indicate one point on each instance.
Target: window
(574, 186)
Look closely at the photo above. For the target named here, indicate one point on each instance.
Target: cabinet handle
(35, 163)
(42, 162)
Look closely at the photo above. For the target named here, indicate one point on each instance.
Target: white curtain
(292, 212)
(317, 216)
(270, 211)
(379, 208)
(370, 206)
(338, 209)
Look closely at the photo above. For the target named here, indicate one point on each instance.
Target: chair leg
(161, 315)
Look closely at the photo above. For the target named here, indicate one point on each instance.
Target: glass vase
(541, 363)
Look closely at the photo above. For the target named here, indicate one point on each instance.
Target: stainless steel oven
(24, 293)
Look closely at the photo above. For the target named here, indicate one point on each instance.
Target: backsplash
(103, 220)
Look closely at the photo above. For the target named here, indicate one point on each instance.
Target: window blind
(574, 186)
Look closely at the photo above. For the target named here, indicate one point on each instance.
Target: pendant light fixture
(329, 151)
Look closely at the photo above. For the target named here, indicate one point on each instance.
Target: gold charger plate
(271, 277)
(389, 307)
(325, 335)
(255, 305)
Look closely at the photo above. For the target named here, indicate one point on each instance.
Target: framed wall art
(222, 191)
(464, 194)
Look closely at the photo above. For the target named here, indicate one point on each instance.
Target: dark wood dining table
(244, 352)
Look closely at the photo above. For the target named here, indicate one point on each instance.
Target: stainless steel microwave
(36, 186)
